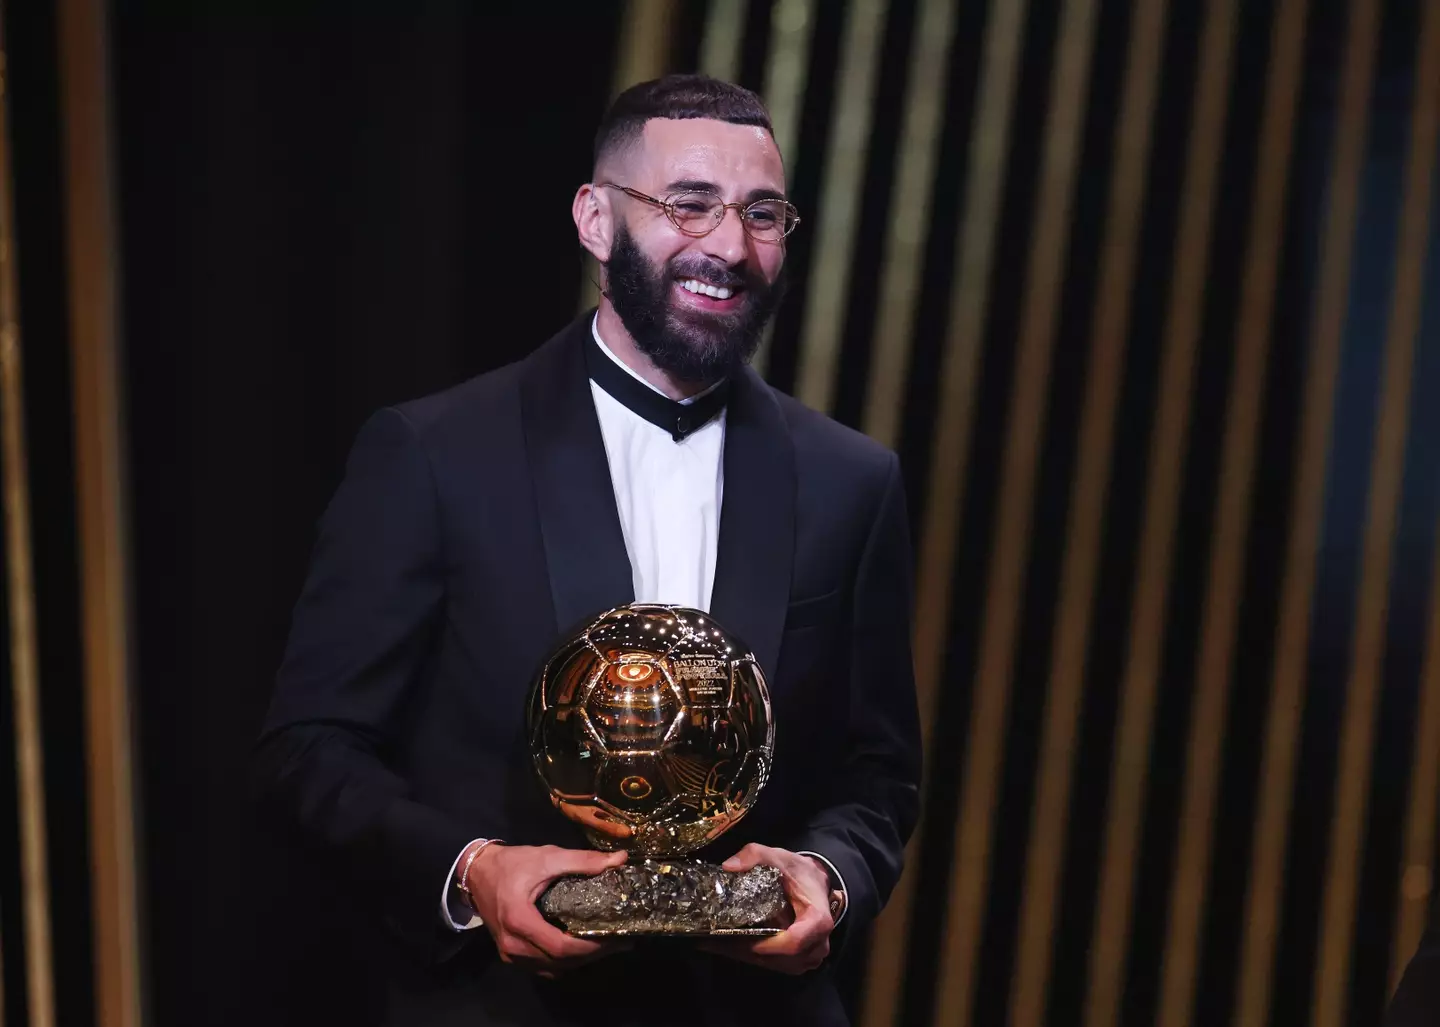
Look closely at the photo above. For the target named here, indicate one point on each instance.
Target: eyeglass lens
(699, 213)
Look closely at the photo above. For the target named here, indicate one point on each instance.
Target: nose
(728, 242)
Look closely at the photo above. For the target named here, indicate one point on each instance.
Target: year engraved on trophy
(706, 682)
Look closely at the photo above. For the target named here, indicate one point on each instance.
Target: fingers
(547, 956)
(552, 950)
(752, 855)
(515, 949)
(801, 947)
(530, 940)
(805, 943)
(551, 969)
(810, 930)
(779, 953)
(526, 923)
(506, 893)
(807, 890)
(557, 862)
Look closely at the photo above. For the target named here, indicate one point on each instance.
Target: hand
(805, 942)
(506, 880)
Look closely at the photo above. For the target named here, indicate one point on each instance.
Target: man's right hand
(505, 881)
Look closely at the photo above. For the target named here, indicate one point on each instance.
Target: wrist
(837, 898)
(466, 866)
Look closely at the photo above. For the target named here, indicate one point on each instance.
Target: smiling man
(633, 457)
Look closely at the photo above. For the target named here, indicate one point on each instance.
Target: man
(633, 457)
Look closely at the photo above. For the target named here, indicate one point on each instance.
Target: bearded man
(633, 457)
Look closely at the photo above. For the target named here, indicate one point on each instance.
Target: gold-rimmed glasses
(700, 213)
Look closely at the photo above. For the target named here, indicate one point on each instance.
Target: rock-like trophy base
(668, 899)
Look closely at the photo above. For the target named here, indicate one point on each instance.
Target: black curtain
(322, 210)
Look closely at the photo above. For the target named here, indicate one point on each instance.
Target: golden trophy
(651, 729)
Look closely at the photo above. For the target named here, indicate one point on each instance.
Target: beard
(693, 345)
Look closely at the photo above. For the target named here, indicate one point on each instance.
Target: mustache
(718, 275)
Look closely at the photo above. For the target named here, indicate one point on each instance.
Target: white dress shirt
(668, 496)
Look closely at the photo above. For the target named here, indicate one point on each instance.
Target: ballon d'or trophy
(651, 729)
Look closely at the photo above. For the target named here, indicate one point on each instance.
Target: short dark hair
(676, 96)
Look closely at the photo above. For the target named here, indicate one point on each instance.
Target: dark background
(323, 212)
(325, 208)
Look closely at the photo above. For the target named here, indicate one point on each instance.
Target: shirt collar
(595, 331)
(680, 418)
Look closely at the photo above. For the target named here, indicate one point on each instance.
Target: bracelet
(464, 877)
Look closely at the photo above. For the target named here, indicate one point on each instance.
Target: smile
(699, 288)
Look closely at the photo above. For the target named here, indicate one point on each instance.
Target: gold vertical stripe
(970, 291)
(102, 514)
(839, 215)
(1110, 328)
(24, 658)
(646, 34)
(970, 296)
(1417, 873)
(785, 69)
(723, 38)
(910, 204)
(784, 95)
(1357, 737)
(1130, 768)
(985, 746)
(1220, 612)
(645, 38)
(1266, 879)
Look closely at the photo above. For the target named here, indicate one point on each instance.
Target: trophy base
(718, 932)
(680, 899)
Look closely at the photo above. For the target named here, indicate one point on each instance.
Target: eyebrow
(693, 185)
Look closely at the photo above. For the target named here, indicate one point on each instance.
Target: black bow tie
(679, 419)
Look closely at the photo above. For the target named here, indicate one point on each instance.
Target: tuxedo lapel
(757, 521)
(588, 567)
(585, 553)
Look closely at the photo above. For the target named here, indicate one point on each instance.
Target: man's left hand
(805, 942)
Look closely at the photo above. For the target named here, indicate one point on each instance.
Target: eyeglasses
(698, 214)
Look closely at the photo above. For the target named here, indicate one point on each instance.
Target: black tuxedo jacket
(470, 530)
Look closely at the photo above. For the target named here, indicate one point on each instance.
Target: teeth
(718, 292)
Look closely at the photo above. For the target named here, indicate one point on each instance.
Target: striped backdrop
(1147, 295)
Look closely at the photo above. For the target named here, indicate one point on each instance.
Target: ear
(593, 221)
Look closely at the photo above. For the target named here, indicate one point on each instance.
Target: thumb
(594, 862)
(746, 858)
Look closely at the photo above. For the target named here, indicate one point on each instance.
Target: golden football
(651, 729)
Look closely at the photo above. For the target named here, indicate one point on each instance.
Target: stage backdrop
(1146, 293)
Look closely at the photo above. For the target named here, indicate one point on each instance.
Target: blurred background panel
(1146, 294)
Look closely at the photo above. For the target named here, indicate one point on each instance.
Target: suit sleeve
(876, 799)
(360, 634)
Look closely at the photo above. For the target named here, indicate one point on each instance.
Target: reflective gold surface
(651, 728)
